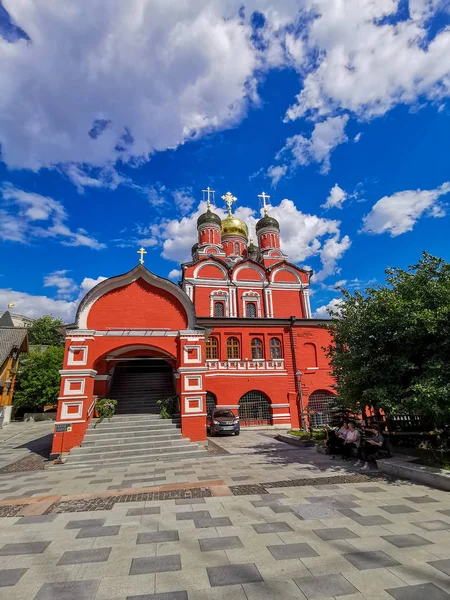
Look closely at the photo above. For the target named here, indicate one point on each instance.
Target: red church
(236, 332)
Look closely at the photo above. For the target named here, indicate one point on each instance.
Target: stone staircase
(132, 439)
(136, 433)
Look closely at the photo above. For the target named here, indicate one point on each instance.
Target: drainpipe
(298, 385)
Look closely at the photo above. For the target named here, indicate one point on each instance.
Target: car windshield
(224, 413)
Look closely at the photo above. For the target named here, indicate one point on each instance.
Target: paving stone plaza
(262, 521)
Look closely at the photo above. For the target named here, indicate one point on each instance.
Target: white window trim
(188, 360)
(64, 411)
(219, 296)
(70, 358)
(251, 297)
(69, 392)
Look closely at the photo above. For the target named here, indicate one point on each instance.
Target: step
(136, 418)
(118, 462)
(106, 438)
(128, 429)
(132, 454)
(155, 433)
(113, 447)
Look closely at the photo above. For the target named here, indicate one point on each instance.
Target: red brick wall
(138, 304)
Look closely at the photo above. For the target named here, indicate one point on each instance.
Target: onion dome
(194, 248)
(267, 221)
(252, 250)
(234, 226)
(209, 217)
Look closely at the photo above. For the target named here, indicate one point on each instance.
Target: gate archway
(211, 402)
(254, 409)
(319, 408)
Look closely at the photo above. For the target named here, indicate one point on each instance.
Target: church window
(232, 348)
(219, 309)
(275, 348)
(250, 309)
(236, 248)
(257, 349)
(212, 351)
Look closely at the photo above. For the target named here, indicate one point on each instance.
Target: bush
(105, 409)
(38, 379)
(168, 407)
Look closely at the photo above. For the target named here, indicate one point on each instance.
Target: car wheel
(237, 432)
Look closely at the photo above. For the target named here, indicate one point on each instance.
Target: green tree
(38, 379)
(44, 332)
(391, 344)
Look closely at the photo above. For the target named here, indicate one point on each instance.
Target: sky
(114, 116)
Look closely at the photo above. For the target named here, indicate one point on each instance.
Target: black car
(222, 420)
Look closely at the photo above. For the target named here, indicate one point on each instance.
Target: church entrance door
(138, 383)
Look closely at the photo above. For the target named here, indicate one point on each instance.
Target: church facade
(236, 333)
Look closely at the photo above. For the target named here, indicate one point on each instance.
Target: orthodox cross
(229, 199)
(264, 197)
(141, 251)
(208, 192)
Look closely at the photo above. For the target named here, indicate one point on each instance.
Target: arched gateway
(135, 340)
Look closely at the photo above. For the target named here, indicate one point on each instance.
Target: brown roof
(10, 337)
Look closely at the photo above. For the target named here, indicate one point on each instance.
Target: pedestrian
(337, 439)
(351, 441)
(369, 448)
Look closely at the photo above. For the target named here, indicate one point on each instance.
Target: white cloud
(301, 150)
(336, 198)
(83, 176)
(184, 200)
(368, 59)
(58, 279)
(36, 305)
(27, 216)
(276, 172)
(323, 312)
(174, 274)
(399, 213)
(97, 82)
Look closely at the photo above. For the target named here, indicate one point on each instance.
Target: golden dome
(234, 226)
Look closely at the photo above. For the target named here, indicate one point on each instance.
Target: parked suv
(222, 420)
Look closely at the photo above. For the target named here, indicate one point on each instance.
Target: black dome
(267, 221)
(194, 248)
(209, 217)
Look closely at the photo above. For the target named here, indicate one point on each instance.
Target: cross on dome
(264, 197)
(229, 199)
(208, 192)
(141, 251)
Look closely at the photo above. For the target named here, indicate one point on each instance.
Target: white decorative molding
(288, 270)
(68, 391)
(280, 405)
(118, 352)
(240, 267)
(71, 359)
(246, 365)
(193, 383)
(211, 263)
(283, 416)
(193, 404)
(196, 350)
(251, 297)
(139, 272)
(65, 410)
(219, 296)
(307, 303)
(78, 372)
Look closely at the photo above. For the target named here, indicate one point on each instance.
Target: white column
(307, 303)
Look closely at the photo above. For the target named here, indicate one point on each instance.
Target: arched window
(211, 402)
(254, 409)
(250, 309)
(212, 350)
(232, 348)
(236, 248)
(310, 355)
(319, 408)
(219, 309)
(275, 348)
(257, 348)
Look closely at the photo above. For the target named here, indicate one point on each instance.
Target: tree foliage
(391, 344)
(38, 379)
(44, 332)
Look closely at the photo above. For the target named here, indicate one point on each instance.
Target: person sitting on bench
(336, 439)
(351, 441)
(369, 448)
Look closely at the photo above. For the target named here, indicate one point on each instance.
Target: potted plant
(105, 409)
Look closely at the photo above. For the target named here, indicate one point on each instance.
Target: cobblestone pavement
(27, 443)
(348, 541)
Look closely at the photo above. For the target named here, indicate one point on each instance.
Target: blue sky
(113, 119)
